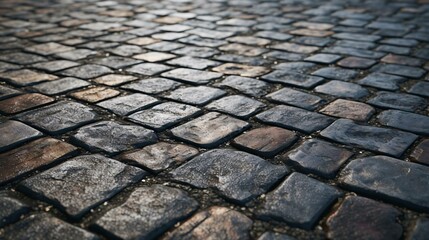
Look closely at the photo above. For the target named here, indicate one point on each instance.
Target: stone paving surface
(214, 119)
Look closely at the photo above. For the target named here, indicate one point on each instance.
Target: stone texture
(356, 62)
(147, 213)
(266, 142)
(41, 226)
(382, 81)
(164, 115)
(15, 133)
(57, 65)
(125, 105)
(81, 183)
(114, 79)
(323, 58)
(294, 79)
(95, 94)
(87, 71)
(148, 69)
(210, 130)
(319, 157)
(420, 88)
(160, 156)
(59, 117)
(400, 101)
(349, 109)
(6, 92)
(193, 62)
(199, 96)
(421, 153)
(152, 85)
(296, 98)
(378, 221)
(388, 141)
(390, 179)
(421, 229)
(25, 77)
(406, 121)
(299, 201)
(191, 75)
(236, 105)
(241, 70)
(113, 137)
(32, 156)
(275, 236)
(336, 73)
(248, 86)
(295, 118)
(60, 86)
(238, 176)
(11, 209)
(24, 102)
(214, 223)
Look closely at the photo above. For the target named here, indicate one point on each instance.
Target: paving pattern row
(214, 119)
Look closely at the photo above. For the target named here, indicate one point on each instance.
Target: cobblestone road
(214, 119)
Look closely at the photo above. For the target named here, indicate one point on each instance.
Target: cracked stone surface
(278, 119)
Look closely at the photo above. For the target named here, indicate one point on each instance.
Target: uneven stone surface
(199, 96)
(348, 109)
(391, 179)
(378, 221)
(60, 86)
(192, 76)
(24, 102)
(265, 142)
(124, 105)
(342, 89)
(11, 209)
(421, 152)
(160, 156)
(26, 77)
(420, 230)
(247, 86)
(43, 226)
(294, 79)
(81, 183)
(210, 129)
(214, 223)
(383, 140)
(319, 157)
(15, 133)
(400, 101)
(406, 121)
(152, 85)
(243, 175)
(59, 117)
(147, 213)
(237, 106)
(112, 137)
(299, 201)
(296, 98)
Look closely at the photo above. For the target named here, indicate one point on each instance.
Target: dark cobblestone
(125, 105)
(247, 86)
(60, 86)
(24, 102)
(382, 81)
(294, 79)
(348, 109)
(236, 105)
(296, 98)
(11, 209)
(275, 236)
(421, 229)
(400, 101)
(199, 96)
(421, 153)
(15, 133)
(407, 121)
(342, 89)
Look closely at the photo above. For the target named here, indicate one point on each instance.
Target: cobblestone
(348, 109)
(24, 102)
(11, 209)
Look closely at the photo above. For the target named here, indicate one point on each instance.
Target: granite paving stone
(199, 96)
(382, 81)
(154, 56)
(237, 175)
(95, 94)
(210, 130)
(11, 209)
(81, 183)
(147, 213)
(214, 223)
(342, 108)
(420, 88)
(323, 58)
(164, 115)
(53, 66)
(296, 98)
(400, 101)
(44, 226)
(420, 230)
(406, 121)
(26, 77)
(342, 89)
(22, 58)
(241, 70)
(294, 79)
(400, 70)
(236, 105)
(125, 105)
(390, 179)
(87, 71)
(356, 62)
(48, 48)
(116, 62)
(33, 155)
(114, 79)
(160, 156)
(295, 118)
(193, 62)
(275, 236)
(191, 75)
(23, 102)
(59, 117)
(265, 142)
(6, 92)
(420, 153)
(15, 133)
(299, 200)
(148, 69)
(152, 85)
(336, 73)
(248, 86)
(388, 141)
(319, 157)
(378, 221)
(113, 137)
(61, 85)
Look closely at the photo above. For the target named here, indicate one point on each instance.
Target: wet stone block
(390, 179)
(124, 105)
(192, 76)
(248, 86)
(400, 70)
(60, 86)
(421, 229)
(14, 133)
(421, 153)
(349, 109)
(25, 77)
(400, 101)
(266, 142)
(319, 157)
(160, 156)
(406, 121)
(377, 221)
(389, 141)
(41, 226)
(342, 89)
(275, 236)
(199, 96)
(59, 117)
(148, 69)
(295, 118)
(164, 115)
(210, 130)
(11, 208)
(323, 58)
(420, 88)
(81, 183)
(244, 176)
(36, 154)
(214, 223)
(95, 94)
(356, 62)
(294, 79)
(57, 65)
(87, 71)
(152, 85)
(299, 201)
(114, 79)
(296, 98)
(382, 81)
(24, 102)
(147, 213)
(336, 73)
(236, 105)
(6, 92)
(114, 137)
